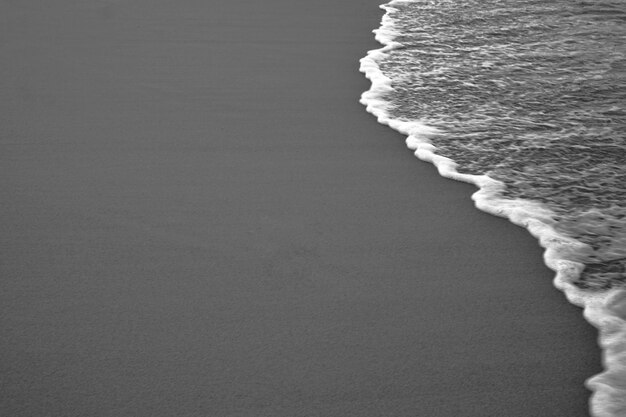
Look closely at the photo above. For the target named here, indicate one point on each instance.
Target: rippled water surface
(533, 94)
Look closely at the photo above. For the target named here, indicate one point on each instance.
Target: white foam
(606, 310)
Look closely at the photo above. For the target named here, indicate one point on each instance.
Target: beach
(200, 219)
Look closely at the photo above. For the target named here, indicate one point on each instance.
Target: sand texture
(200, 219)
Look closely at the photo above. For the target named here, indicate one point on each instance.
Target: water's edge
(604, 310)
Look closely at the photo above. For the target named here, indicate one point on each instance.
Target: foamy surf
(606, 310)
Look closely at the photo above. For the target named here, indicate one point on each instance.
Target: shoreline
(203, 220)
(604, 310)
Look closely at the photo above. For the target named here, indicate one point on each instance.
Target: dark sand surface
(199, 219)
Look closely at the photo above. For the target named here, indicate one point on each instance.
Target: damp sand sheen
(199, 218)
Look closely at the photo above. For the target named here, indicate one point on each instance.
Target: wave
(605, 310)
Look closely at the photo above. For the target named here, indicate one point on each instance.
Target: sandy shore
(199, 219)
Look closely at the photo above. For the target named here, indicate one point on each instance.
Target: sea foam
(605, 310)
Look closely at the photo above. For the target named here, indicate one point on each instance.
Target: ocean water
(527, 100)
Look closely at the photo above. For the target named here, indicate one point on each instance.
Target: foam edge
(606, 311)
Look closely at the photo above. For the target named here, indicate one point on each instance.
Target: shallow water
(533, 94)
(527, 100)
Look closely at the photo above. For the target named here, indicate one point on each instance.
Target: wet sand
(200, 219)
